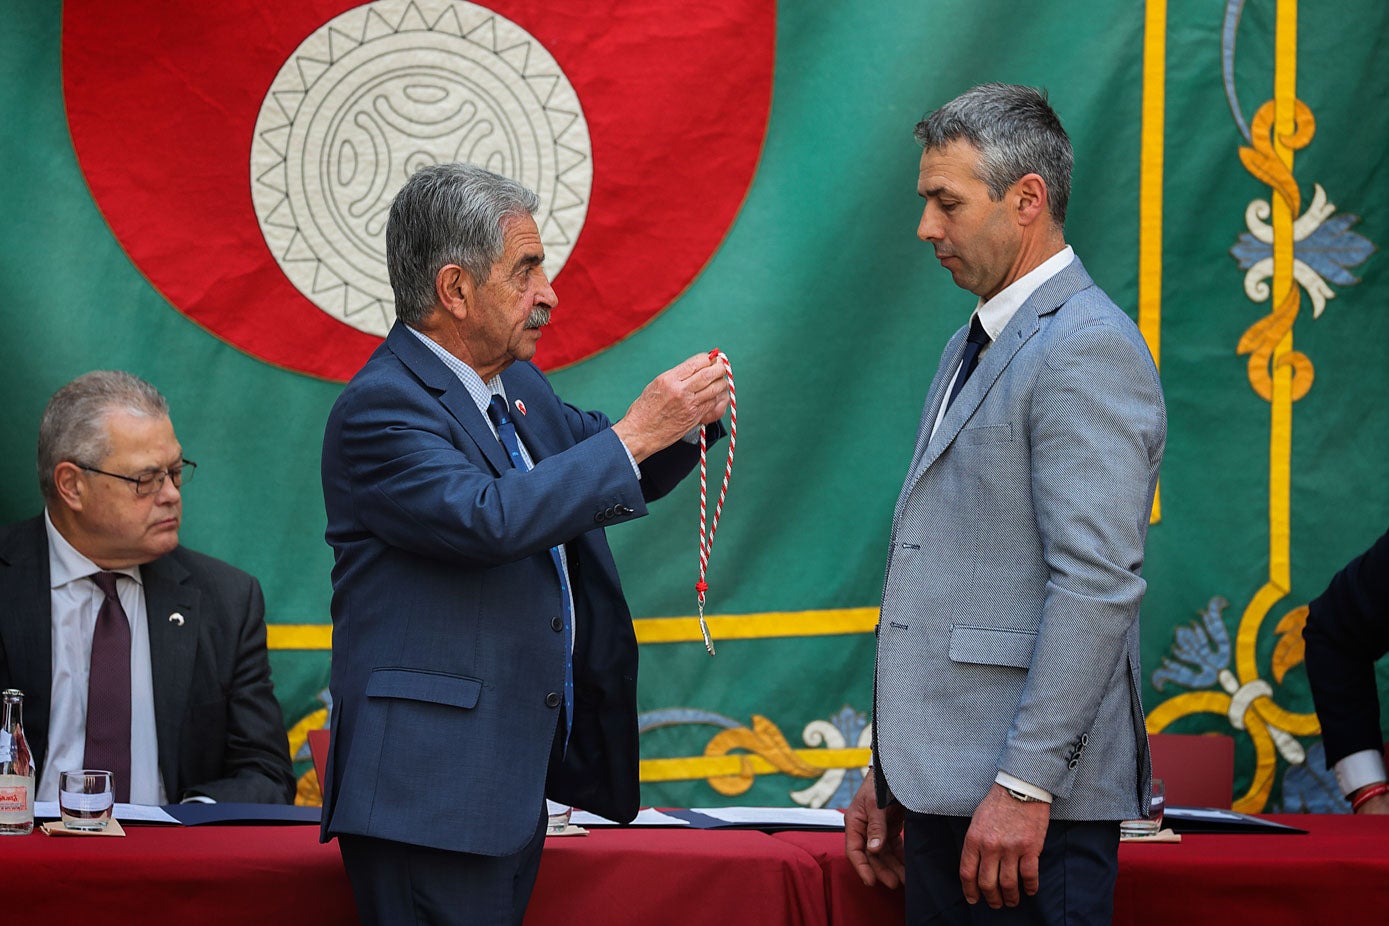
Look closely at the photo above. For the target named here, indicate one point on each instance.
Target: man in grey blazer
(1009, 737)
(196, 716)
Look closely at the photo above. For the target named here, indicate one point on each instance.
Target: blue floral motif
(850, 723)
(1330, 250)
(1333, 248)
(1249, 250)
(1311, 787)
(1199, 651)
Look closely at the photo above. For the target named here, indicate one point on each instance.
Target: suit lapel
(1001, 352)
(451, 393)
(1025, 323)
(534, 431)
(27, 627)
(173, 651)
(950, 359)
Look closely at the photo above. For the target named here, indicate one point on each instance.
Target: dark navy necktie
(108, 690)
(975, 341)
(506, 431)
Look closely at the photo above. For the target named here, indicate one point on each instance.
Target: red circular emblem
(163, 101)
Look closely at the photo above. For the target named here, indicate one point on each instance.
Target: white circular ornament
(378, 92)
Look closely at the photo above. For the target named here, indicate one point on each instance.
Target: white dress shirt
(995, 314)
(75, 601)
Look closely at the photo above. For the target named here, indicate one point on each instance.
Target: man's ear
(70, 485)
(1031, 196)
(454, 289)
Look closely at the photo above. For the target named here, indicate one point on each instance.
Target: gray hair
(73, 428)
(447, 214)
(1016, 133)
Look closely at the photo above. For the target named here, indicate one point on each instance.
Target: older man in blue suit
(483, 655)
(1008, 730)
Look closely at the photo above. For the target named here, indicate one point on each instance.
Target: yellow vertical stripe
(1150, 188)
(1150, 177)
(1281, 430)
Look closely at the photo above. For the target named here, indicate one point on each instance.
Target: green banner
(1228, 192)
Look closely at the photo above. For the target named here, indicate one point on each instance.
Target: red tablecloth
(645, 877)
(266, 875)
(1338, 873)
(203, 875)
(211, 875)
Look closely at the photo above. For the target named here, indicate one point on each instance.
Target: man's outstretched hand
(673, 404)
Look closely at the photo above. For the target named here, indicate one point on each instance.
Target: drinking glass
(1150, 824)
(85, 798)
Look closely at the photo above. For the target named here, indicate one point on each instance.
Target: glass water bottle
(16, 770)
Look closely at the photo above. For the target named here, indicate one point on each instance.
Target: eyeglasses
(150, 483)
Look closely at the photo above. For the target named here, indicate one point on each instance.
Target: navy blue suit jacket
(446, 653)
(1347, 630)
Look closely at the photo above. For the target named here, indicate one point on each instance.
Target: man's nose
(929, 228)
(168, 492)
(547, 295)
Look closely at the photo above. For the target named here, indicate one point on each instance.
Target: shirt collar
(66, 564)
(480, 392)
(996, 313)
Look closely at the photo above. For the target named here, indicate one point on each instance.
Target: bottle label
(16, 794)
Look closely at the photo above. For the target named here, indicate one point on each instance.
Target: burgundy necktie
(108, 690)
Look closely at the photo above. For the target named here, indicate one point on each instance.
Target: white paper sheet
(775, 816)
(126, 813)
(647, 816)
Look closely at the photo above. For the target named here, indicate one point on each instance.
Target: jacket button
(556, 624)
(598, 517)
(1073, 763)
(552, 699)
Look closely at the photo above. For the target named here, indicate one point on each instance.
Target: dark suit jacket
(220, 730)
(1347, 630)
(448, 658)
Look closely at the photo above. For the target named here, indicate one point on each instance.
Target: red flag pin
(520, 406)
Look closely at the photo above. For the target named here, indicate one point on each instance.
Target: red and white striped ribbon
(707, 526)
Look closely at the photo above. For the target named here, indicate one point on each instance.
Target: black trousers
(398, 883)
(1078, 867)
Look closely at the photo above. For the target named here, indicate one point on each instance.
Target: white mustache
(539, 317)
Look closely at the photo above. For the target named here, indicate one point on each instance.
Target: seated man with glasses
(134, 654)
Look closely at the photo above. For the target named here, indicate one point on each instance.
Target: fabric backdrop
(194, 192)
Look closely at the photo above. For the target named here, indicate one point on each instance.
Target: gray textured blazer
(1008, 638)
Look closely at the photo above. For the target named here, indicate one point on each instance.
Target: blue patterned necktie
(975, 342)
(506, 431)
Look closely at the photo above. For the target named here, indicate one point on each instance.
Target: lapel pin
(176, 619)
(520, 406)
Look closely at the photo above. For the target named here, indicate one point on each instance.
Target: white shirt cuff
(1359, 769)
(1017, 784)
(630, 459)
